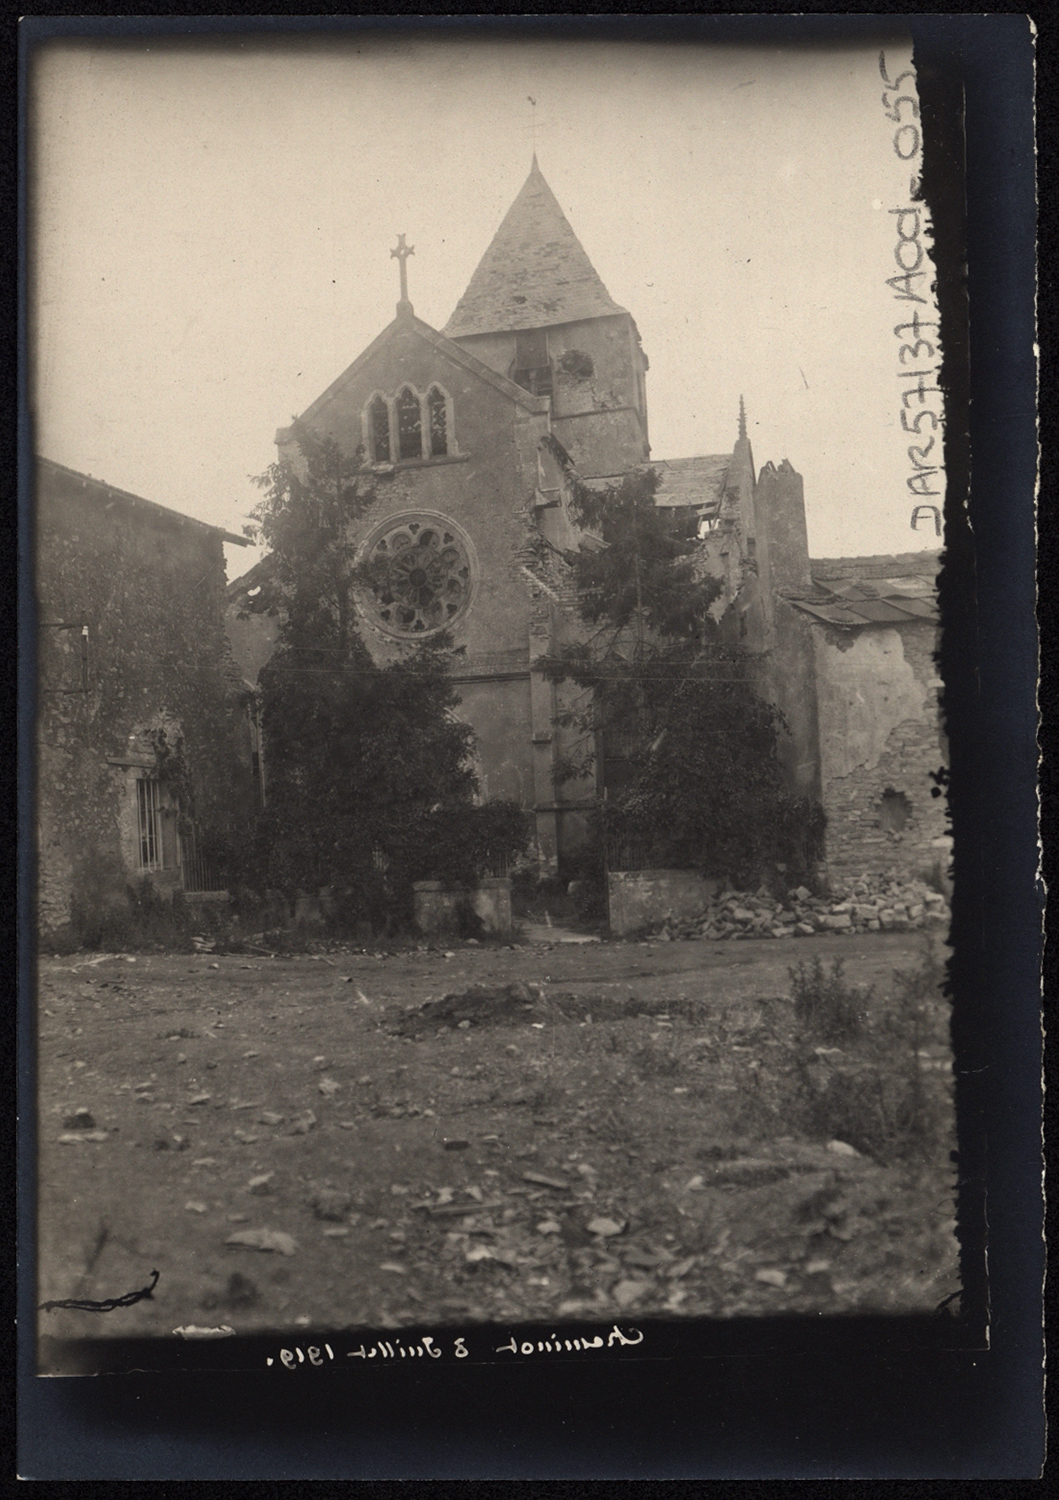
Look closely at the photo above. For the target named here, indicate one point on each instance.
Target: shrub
(828, 1007)
(461, 844)
(143, 918)
(656, 1062)
(918, 1116)
(878, 1098)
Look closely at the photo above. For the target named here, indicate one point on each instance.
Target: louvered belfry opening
(532, 370)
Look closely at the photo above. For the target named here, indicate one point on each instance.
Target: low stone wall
(643, 898)
(206, 901)
(437, 906)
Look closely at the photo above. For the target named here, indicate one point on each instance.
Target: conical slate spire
(534, 274)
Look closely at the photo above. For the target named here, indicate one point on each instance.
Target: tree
(369, 778)
(644, 578)
(304, 520)
(677, 718)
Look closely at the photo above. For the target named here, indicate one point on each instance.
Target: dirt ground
(634, 1131)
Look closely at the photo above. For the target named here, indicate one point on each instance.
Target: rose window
(420, 574)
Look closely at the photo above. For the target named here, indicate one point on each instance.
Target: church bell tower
(536, 311)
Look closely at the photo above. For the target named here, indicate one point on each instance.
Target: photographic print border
(882, 1398)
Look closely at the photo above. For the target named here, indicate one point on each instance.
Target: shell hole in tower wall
(894, 811)
(578, 364)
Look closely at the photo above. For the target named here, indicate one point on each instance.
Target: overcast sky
(212, 235)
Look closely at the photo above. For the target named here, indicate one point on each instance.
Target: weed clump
(141, 917)
(873, 1083)
(656, 1062)
(920, 994)
(828, 1007)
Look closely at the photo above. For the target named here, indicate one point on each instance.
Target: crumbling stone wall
(437, 908)
(881, 742)
(148, 585)
(637, 899)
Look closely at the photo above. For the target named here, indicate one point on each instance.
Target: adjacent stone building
(846, 648)
(144, 754)
(883, 752)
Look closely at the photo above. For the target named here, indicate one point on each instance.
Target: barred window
(149, 823)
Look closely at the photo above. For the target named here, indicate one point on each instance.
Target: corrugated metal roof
(883, 588)
(830, 614)
(882, 611)
(857, 591)
(534, 274)
(921, 609)
(854, 607)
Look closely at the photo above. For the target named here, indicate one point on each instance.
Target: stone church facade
(472, 435)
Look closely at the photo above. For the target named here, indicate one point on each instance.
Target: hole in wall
(894, 811)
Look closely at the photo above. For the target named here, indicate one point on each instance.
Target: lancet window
(437, 410)
(409, 427)
(379, 427)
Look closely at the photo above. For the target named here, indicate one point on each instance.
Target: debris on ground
(330, 1203)
(478, 1006)
(666, 1139)
(264, 1239)
(870, 904)
(604, 1228)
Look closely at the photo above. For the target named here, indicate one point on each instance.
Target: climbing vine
(174, 774)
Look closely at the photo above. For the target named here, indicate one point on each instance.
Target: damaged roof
(534, 274)
(856, 591)
(683, 483)
(250, 581)
(692, 481)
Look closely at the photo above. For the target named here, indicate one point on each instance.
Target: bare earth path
(579, 1159)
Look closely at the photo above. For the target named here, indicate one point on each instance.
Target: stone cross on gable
(402, 252)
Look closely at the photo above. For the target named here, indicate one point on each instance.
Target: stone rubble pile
(870, 904)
